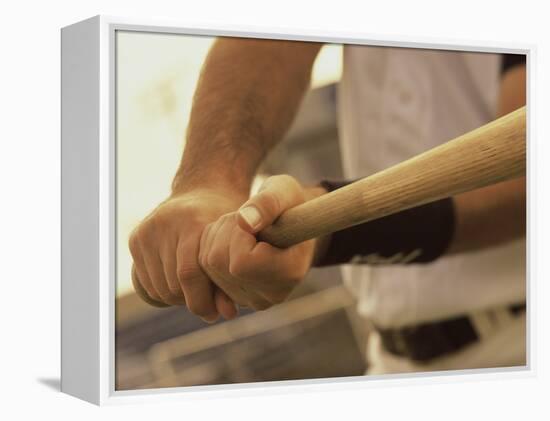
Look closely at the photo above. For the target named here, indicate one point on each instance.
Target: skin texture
(195, 250)
(252, 273)
(164, 247)
(247, 95)
(244, 267)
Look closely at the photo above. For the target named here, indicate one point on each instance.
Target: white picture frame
(89, 198)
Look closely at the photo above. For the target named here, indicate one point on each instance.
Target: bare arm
(246, 99)
(494, 214)
(244, 267)
(488, 216)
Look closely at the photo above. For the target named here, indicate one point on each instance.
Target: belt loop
(482, 323)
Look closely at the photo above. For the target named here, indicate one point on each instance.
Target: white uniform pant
(505, 347)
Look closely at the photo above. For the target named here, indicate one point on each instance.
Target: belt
(426, 341)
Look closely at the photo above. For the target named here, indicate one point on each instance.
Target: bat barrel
(490, 154)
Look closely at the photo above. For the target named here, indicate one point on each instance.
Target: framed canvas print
(248, 210)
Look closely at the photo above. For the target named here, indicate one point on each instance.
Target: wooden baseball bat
(492, 153)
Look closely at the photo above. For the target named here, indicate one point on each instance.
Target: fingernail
(251, 215)
(213, 318)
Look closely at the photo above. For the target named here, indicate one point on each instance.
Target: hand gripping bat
(490, 154)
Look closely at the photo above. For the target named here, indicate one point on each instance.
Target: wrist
(226, 183)
(216, 164)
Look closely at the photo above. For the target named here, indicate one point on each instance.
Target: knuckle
(284, 179)
(239, 268)
(186, 273)
(293, 189)
(215, 261)
(151, 228)
(235, 270)
(203, 261)
(269, 201)
(277, 179)
(143, 235)
(133, 243)
(225, 217)
(156, 226)
(194, 282)
(269, 180)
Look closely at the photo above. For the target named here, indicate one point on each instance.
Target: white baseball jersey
(395, 103)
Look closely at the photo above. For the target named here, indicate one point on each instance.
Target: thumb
(277, 194)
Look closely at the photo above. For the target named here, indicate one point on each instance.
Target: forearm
(470, 221)
(423, 234)
(246, 98)
(489, 216)
(494, 214)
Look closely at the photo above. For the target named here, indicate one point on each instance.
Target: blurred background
(315, 334)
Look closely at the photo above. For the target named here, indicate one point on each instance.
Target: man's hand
(165, 247)
(252, 273)
(246, 98)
